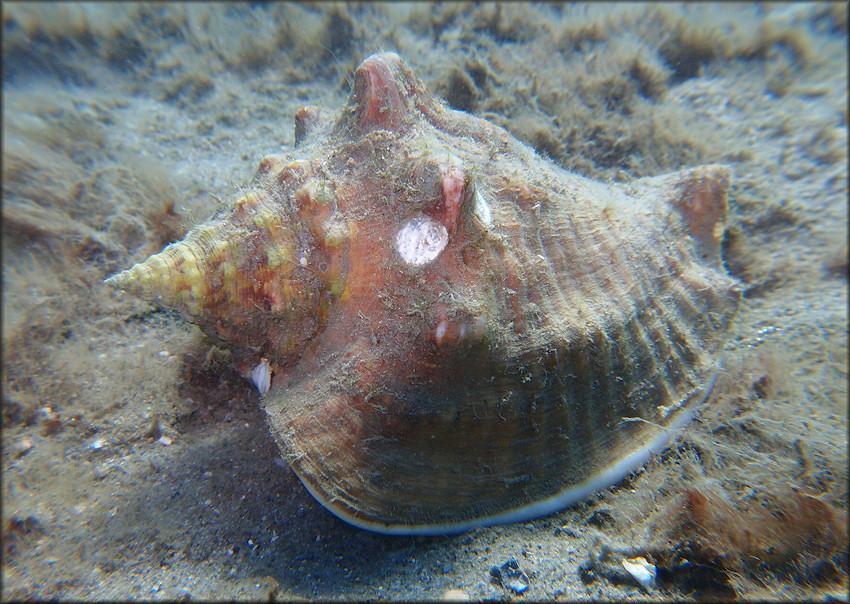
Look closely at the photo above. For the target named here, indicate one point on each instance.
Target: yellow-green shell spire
(245, 277)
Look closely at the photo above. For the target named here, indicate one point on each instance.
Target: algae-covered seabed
(124, 125)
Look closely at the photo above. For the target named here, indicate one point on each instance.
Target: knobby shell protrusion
(306, 120)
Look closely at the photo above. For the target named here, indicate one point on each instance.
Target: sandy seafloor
(125, 125)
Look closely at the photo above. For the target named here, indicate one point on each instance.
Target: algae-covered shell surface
(460, 333)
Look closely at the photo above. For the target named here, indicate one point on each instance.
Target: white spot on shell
(440, 333)
(262, 376)
(421, 240)
(482, 210)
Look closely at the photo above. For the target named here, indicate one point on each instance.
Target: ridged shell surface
(460, 332)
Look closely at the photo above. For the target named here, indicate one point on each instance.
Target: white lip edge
(555, 503)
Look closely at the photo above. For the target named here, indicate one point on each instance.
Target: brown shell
(479, 335)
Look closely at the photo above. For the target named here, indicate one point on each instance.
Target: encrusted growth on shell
(460, 333)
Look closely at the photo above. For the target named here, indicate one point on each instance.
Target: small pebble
(510, 576)
(455, 595)
(24, 446)
(566, 530)
(164, 440)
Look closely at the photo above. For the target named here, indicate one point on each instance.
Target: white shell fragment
(262, 376)
(482, 210)
(642, 571)
(421, 240)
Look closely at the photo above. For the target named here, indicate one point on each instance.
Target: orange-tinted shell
(461, 332)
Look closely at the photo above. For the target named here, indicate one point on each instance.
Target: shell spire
(183, 276)
(245, 278)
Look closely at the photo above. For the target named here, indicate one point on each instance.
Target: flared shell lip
(612, 474)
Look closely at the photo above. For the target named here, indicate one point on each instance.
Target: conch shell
(460, 332)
